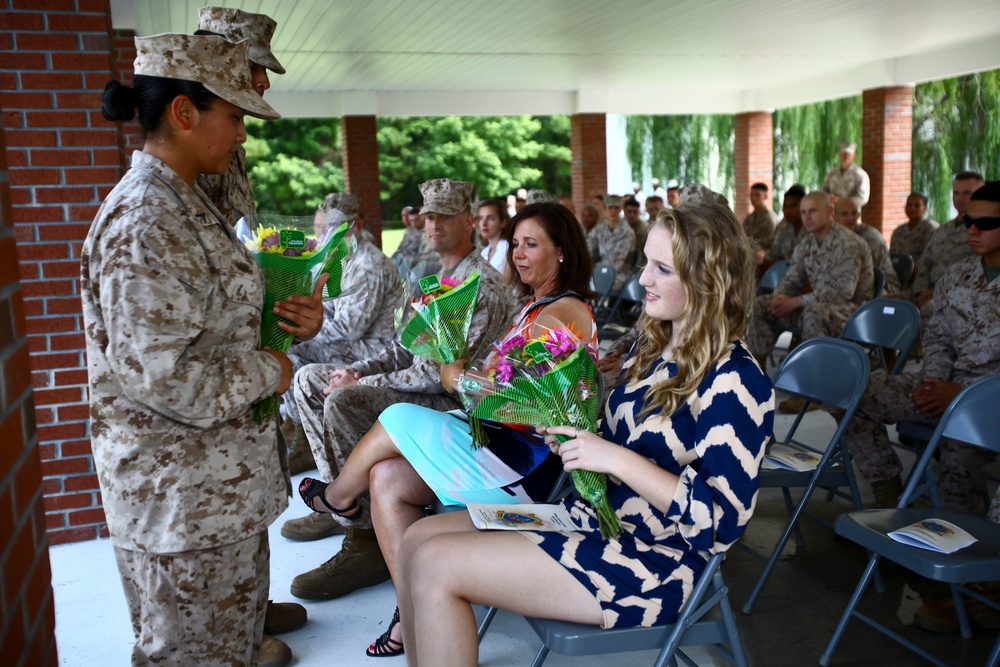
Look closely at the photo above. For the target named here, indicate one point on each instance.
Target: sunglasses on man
(984, 224)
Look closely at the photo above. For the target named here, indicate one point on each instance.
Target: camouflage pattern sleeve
(760, 229)
(368, 283)
(155, 288)
(840, 270)
(492, 316)
(410, 245)
(880, 258)
(795, 279)
(230, 192)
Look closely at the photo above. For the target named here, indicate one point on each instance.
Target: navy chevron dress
(714, 443)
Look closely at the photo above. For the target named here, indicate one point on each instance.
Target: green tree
(956, 127)
(807, 139)
(690, 148)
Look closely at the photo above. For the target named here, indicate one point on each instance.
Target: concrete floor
(790, 624)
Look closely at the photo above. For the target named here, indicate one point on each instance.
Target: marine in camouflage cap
(612, 200)
(237, 25)
(541, 197)
(696, 193)
(219, 65)
(339, 207)
(443, 195)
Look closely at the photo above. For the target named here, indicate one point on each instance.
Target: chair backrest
(903, 265)
(632, 290)
(773, 276)
(879, 282)
(888, 323)
(604, 279)
(825, 370)
(970, 418)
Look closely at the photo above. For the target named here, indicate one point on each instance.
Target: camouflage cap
(849, 147)
(443, 195)
(221, 66)
(237, 25)
(672, 184)
(540, 197)
(613, 200)
(696, 193)
(339, 207)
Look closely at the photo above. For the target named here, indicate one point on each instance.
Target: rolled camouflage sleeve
(355, 311)
(158, 299)
(795, 278)
(938, 342)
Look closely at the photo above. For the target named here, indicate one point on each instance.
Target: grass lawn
(391, 238)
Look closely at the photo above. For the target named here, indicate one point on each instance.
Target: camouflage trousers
(319, 368)
(815, 320)
(333, 424)
(202, 607)
(961, 474)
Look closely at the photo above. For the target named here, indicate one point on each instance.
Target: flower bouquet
(437, 327)
(550, 380)
(292, 264)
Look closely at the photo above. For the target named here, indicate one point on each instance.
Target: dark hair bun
(119, 102)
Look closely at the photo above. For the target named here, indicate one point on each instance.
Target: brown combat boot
(274, 653)
(314, 526)
(940, 615)
(358, 564)
(792, 405)
(300, 456)
(282, 617)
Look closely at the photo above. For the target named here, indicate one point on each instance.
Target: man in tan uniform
(838, 266)
(612, 241)
(356, 395)
(759, 225)
(848, 213)
(848, 180)
(911, 238)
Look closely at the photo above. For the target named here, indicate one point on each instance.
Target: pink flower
(505, 371)
(271, 240)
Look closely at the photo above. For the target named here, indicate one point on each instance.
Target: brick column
(359, 134)
(588, 141)
(123, 52)
(754, 156)
(64, 158)
(886, 149)
(27, 614)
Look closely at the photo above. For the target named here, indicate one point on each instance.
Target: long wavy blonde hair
(714, 261)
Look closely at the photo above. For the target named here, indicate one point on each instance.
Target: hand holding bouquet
(437, 327)
(550, 380)
(292, 264)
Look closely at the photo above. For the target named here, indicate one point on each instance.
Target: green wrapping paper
(439, 330)
(566, 395)
(296, 276)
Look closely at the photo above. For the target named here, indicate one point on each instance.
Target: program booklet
(788, 458)
(522, 517)
(934, 534)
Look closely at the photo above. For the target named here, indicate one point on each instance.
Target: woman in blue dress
(682, 445)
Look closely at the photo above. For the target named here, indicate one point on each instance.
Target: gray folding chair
(821, 370)
(772, 276)
(879, 283)
(971, 418)
(603, 282)
(692, 628)
(880, 323)
(623, 314)
(902, 263)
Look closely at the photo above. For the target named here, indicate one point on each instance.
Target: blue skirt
(515, 467)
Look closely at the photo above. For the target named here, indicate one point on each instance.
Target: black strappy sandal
(310, 489)
(385, 646)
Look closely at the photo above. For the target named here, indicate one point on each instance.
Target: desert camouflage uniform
(962, 345)
(949, 243)
(612, 247)
(183, 468)
(880, 257)
(334, 423)
(413, 245)
(358, 325)
(840, 271)
(759, 226)
(850, 182)
(906, 241)
(230, 192)
(785, 240)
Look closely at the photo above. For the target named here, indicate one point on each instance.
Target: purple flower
(271, 240)
(311, 245)
(505, 371)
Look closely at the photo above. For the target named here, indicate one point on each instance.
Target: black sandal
(385, 646)
(310, 489)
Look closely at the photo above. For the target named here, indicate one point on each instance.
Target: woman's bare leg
(446, 566)
(373, 447)
(398, 497)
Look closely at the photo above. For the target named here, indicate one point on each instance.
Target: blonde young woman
(682, 446)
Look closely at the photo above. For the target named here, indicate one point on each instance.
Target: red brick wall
(55, 57)
(123, 52)
(27, 615)
(361, 169)
(588, 141)
(887, 146)
(754, 156)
